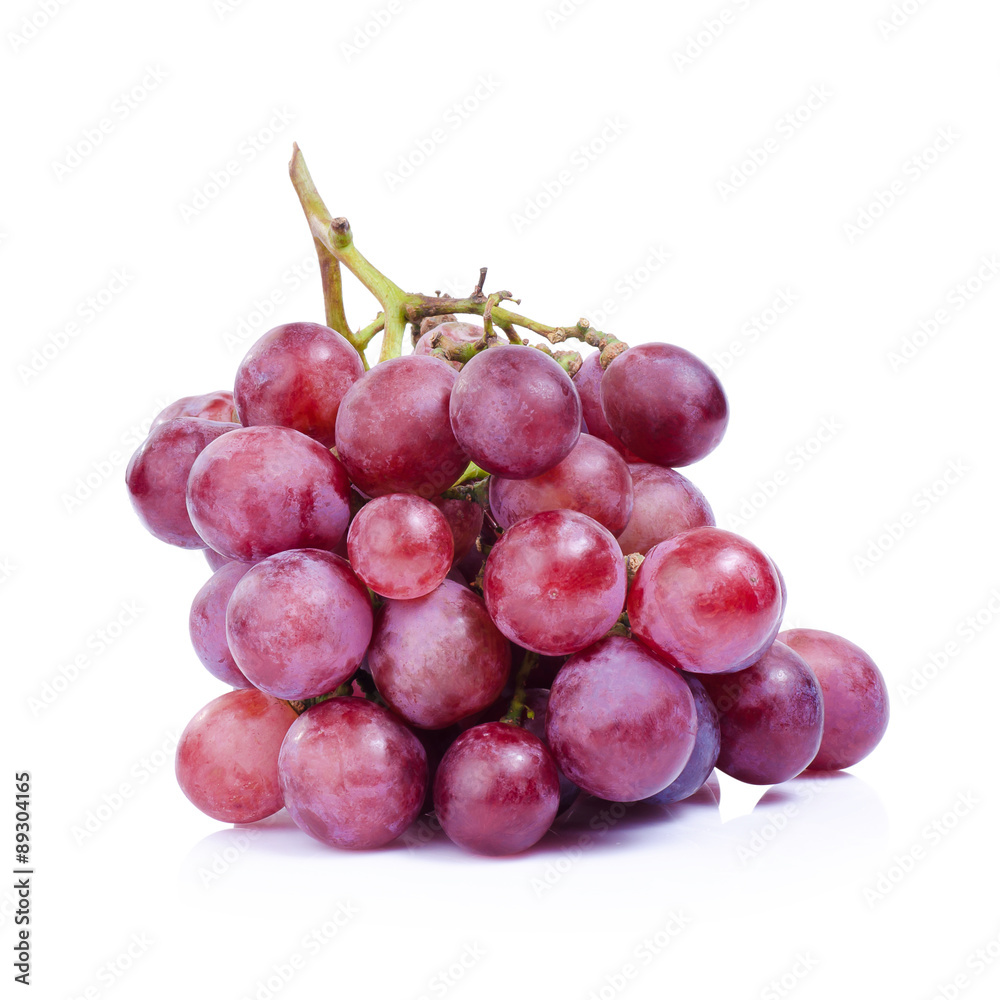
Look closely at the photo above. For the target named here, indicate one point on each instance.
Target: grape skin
(588, 385)
(459, 333)
(157, 476)
(665, 504)
(620, 722)
(207, 624)
(536, 700)
(439, 658)
(515, 411)
(593, 479)
(298, 623)
(353, 776)
(496, 791)
(218, 406)
(227, 756)
(555, 582)
(263, 490)
(855, 698)
(465, 519)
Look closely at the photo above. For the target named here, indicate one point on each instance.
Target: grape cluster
(478, 586)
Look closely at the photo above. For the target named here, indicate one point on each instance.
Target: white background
(588, 150)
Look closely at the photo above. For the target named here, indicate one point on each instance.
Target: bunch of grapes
(470, 579)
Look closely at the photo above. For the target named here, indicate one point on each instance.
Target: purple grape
(855, 698)
(439, 658)
(218, 406)
(295, 376)
(707, 743)
(298, 623)
(537, 701)
(555, 582)
(588, 386)
(400, 546)
(457, 332)
(592, 479)
(157, 476)
(666, 503)
(621, 723)
(707, 601)
(216, 560)
(666, 405)
(496, 790)
(262, 490)
(352, 774)
(465, 518)
(515, 411)
(393, 430)
(227, 756)
(770, 715)
(207, 624)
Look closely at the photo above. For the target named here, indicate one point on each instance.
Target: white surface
(796, 908)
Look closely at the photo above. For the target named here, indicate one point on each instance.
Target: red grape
(439, 658)
(263, 490)
(157, 476)
(666, 503)
(298, 623)
(216, 560)
(352, 774)
(496, 790)
(465, 518)
(555, 582)
(664, 404)
(537, 701)
(209, 406)
(227, 756)
(588, 386)
(393, 430)
(770, 715)
(207, 624)
(457, 332)
(515, 411)
(620, 722)
(855, 698)
(593, 479)
(401, 546)
(706, 600)
(295, 376)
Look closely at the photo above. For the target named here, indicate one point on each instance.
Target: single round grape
(666, 405)
(295, 376)
(855, 698)
(263, 490)
(465, 519)
(593, 479)
(216, 560)
(666, 503)
(227, 756)
(621, 723)
(770, 716)
(439, 658)
(537, 702)
(515, 412)
(207, 624)
(457, 332)
(706, 600)
(400, 546)
(209, 406)
(393, 430)
(555, 582)
(707, 743)
(298, 623)
(496, 790)
(588, 386)
(157, 476)
(352, 774)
